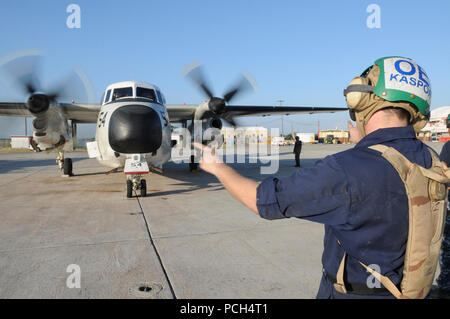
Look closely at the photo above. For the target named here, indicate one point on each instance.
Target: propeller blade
(246, 83)
(22, 68)
(194, 73)
(217, 105)
(74, 86)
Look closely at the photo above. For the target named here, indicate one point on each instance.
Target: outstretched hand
(241, 188)
(210, 162)
(355, 134)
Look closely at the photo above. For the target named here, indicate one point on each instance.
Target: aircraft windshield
(122, 92)
(146, 93)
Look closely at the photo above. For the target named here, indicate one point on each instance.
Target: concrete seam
(156, 249)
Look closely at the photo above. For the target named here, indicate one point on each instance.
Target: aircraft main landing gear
(64, 164)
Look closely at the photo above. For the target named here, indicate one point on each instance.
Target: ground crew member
(297, 151)
(356, 194)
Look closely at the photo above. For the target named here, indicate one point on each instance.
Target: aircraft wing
(181, 112)
(186, 112)
(248, 110)
(81, 113)
(14, 109)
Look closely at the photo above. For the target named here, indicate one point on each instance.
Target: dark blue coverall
(362, 202)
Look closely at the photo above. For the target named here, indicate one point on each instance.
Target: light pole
(282, 124)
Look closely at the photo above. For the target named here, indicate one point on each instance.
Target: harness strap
(386, 282)
(339, 285)
(357, 289)
(403, 165)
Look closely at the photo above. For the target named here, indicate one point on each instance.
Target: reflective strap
(359, 88)
(386, 282)
(340, 285)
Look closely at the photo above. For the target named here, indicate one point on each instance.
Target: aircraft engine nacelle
(38, 105)
(49, 126)
(50, 139)
(212, 123)
(212, 131)
(50, 130)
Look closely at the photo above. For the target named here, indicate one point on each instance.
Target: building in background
(251, 134)
(334, 136)
(436, 128)
(306, 137)
(21, 142)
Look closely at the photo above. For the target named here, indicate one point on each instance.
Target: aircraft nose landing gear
(136, 183)
(135, 167)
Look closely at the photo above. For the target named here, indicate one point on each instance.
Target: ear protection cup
(355, 97)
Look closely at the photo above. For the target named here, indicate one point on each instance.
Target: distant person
(443, 280)
(360, 194)
(297, 151)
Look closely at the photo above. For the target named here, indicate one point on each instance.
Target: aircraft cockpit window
(122, 92)
(159, 97)
(146, 93)
(108, 95)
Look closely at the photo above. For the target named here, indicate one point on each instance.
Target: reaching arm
(241, 188)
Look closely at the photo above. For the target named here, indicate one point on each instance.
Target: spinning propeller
(23, 69)
(218, 105)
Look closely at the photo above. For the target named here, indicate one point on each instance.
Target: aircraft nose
(135, 129)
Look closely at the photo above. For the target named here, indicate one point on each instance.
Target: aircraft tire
(129, 188)
(67, 167)
(143, 188)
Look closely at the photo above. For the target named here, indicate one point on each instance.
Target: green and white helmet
(391, 82)
(401, 79)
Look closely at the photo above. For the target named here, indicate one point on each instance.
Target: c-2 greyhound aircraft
(133, 120)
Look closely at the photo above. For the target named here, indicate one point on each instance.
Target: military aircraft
(133, 119)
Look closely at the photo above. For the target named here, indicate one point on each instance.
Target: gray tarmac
(187, 239)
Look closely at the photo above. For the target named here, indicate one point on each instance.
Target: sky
(302, 52)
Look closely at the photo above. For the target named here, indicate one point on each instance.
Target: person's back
(378, 209)
(298, 146)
